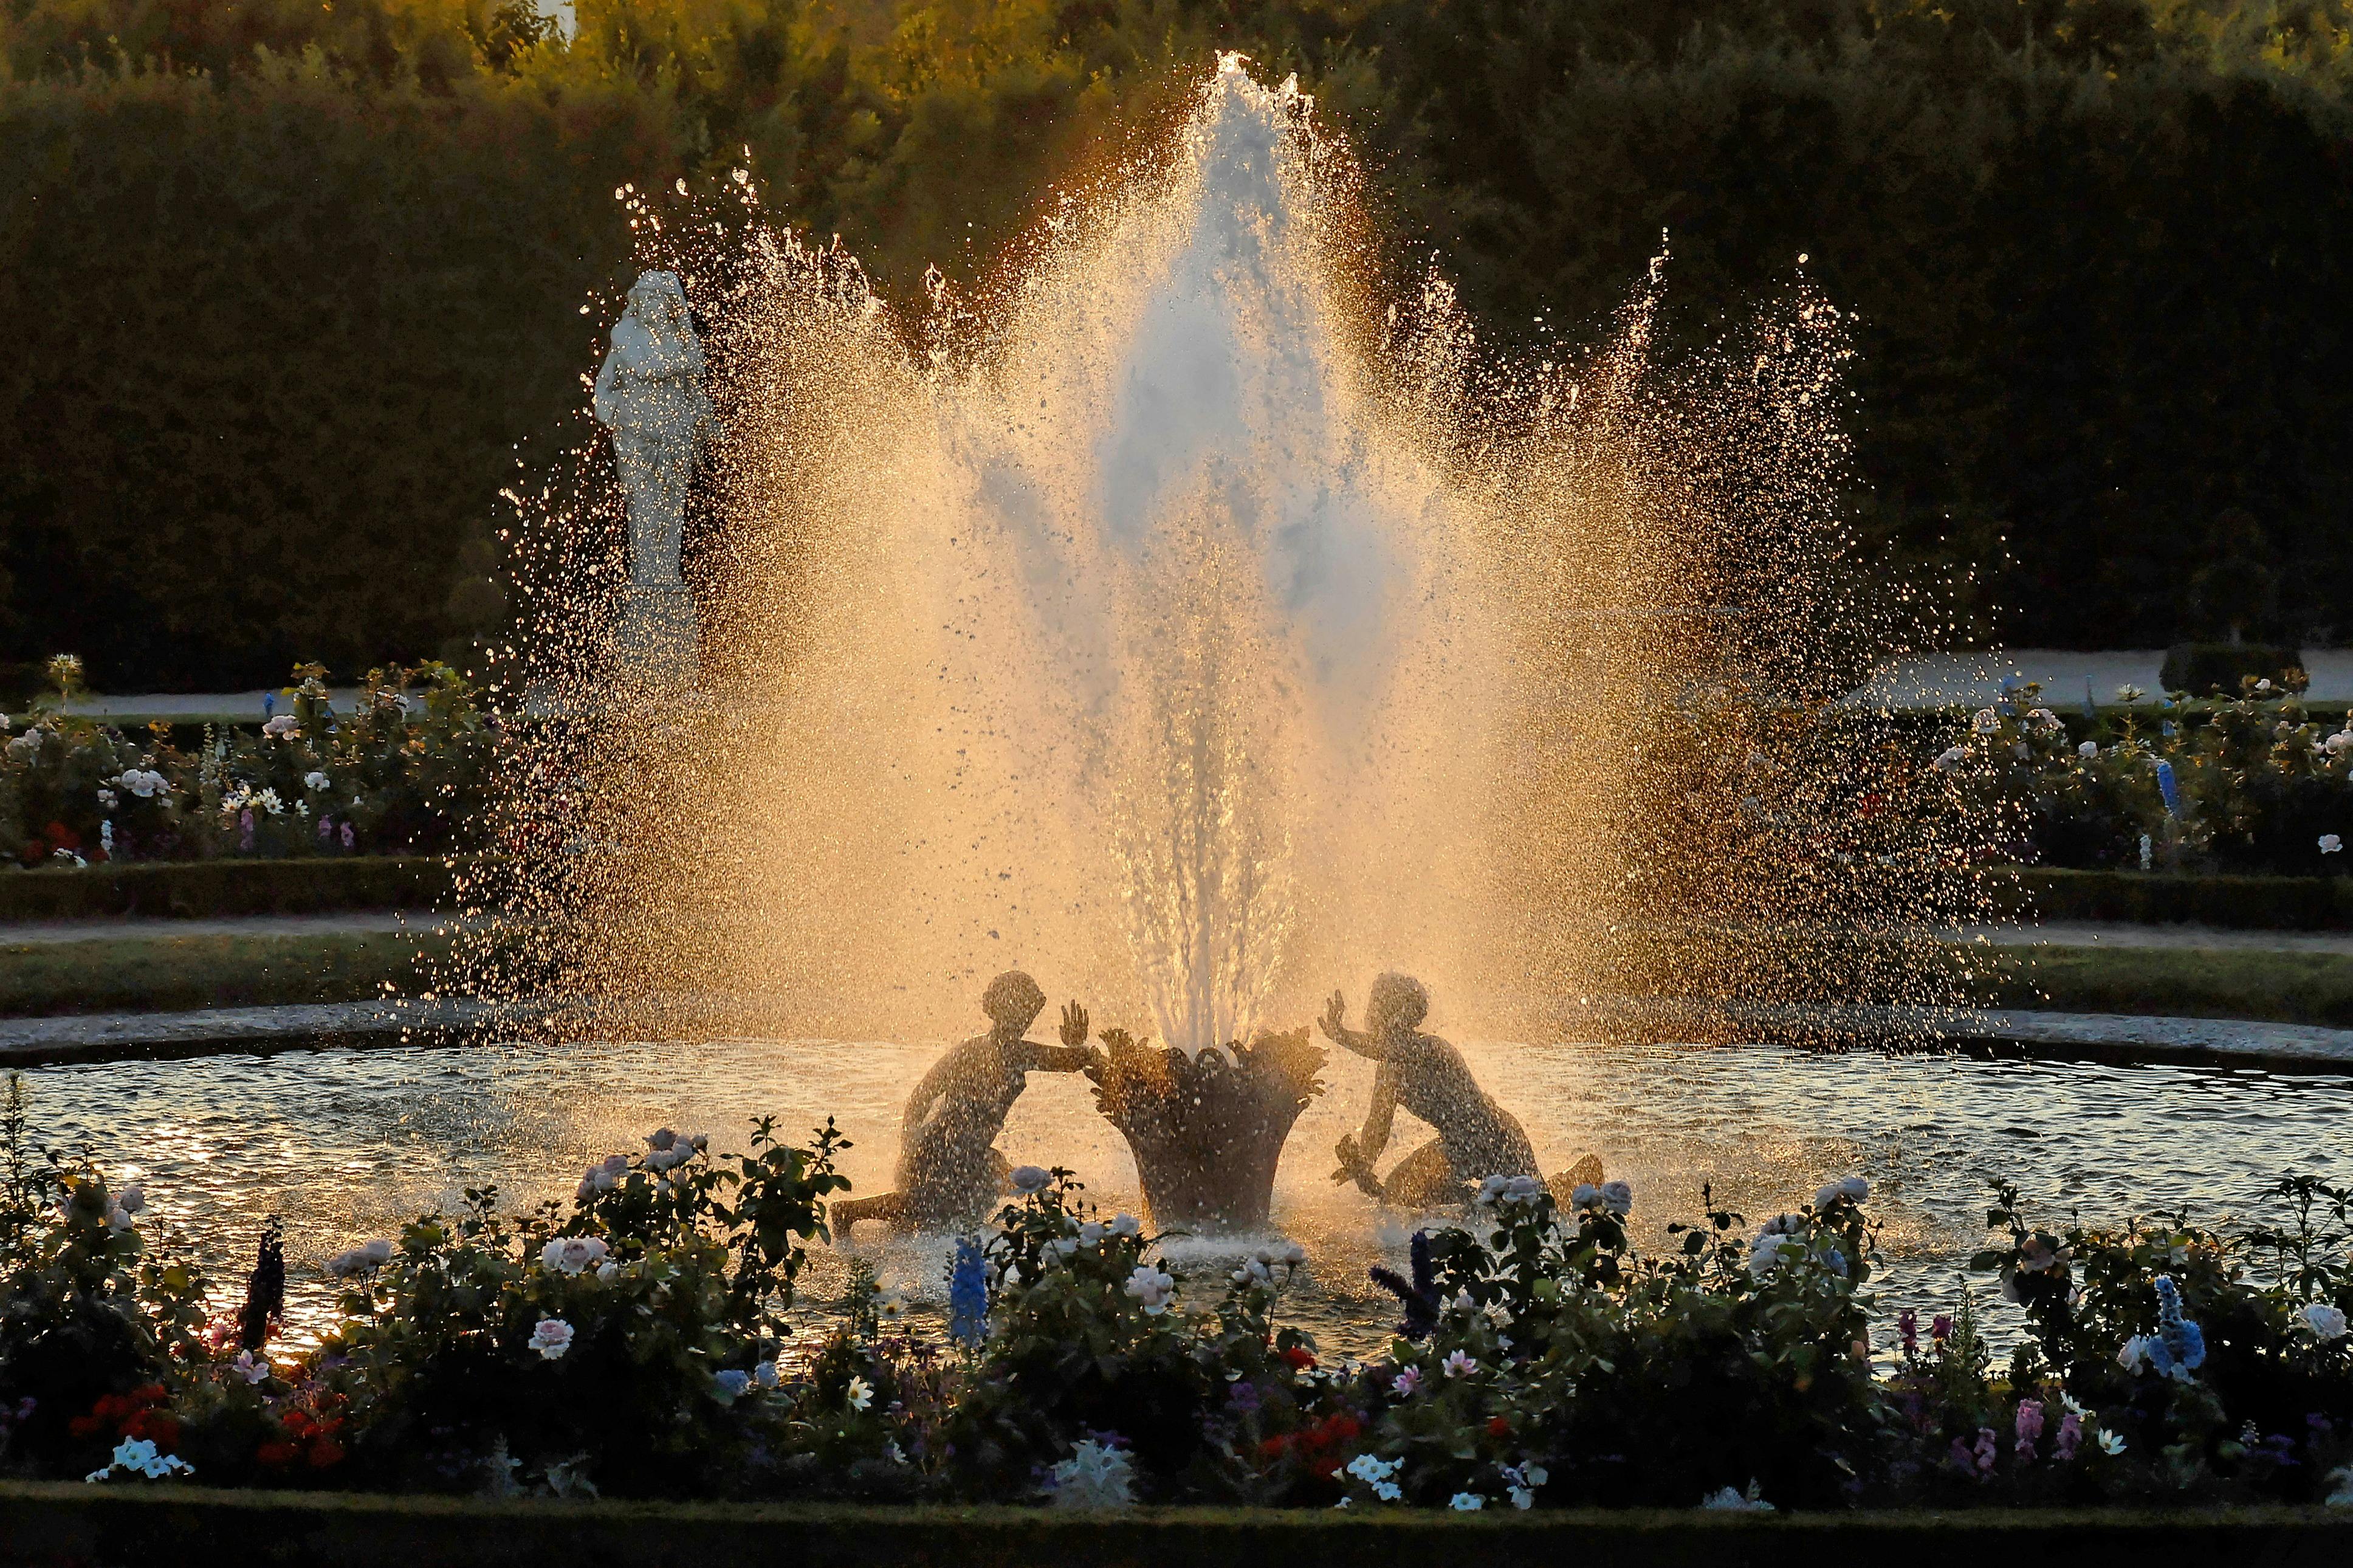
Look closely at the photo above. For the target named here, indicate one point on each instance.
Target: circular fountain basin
(346, 1143)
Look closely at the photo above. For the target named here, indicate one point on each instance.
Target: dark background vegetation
(291, 290)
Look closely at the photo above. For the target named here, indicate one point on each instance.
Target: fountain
(1175, 622)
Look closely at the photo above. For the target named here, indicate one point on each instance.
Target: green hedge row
(183, 890)
(134, 1527)
(2045, 221)
(2256, 903)
(188, 973)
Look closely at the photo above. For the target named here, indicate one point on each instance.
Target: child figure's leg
(890, 1208)
(1585, 1172)
(1424, 1179)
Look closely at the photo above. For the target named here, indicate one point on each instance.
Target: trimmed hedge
(186, 890)
(2253, 902)
(136, 1527)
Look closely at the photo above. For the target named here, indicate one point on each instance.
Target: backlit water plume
(1181, 622)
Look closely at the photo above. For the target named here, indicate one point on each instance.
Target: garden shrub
(609, 1349)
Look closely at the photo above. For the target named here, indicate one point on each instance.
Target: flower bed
(405, 771)
(644, 1340)
(2254, 784)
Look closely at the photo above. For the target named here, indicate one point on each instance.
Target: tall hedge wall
(290, 289)
(272, 344)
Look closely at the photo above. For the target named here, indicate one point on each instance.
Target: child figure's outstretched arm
(1336, 1028)
(1072, 1055)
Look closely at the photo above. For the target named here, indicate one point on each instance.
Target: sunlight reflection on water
(347, 1143)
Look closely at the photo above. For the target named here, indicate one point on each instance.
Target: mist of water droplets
(1187, 623)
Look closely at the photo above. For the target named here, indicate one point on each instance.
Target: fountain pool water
(345, 1144)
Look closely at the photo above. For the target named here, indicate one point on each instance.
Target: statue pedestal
(656, 637)
(1207, 1131)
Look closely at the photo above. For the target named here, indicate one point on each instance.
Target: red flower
(61, 836)
(129, 1416)
(276, 1453)
(1498, 1427)
(326, 1451)
(1298, 1358)
(156, 1426)
(1316, 1441)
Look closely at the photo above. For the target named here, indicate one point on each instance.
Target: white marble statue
(649, 394)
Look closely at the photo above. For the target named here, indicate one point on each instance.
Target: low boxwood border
(206, 889)
(2150, 897)
(115, 1526)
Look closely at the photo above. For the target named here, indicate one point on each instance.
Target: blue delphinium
(2178, 1342)
(967, 1294)
(2170, 788)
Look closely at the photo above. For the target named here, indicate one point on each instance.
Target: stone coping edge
(2125, 1037)
(56, 1523)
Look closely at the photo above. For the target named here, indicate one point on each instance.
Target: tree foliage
(294, 288)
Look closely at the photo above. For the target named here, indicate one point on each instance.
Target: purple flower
(1243, 1397)
(1406, 1384)
(1907, 1323)
(2071, 1437)
(2030, 1426)
(1941, 1329)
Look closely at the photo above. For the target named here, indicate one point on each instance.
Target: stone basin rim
(2123, 1038)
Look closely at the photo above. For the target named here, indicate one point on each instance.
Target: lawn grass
(170, 974)
(2182, 983)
